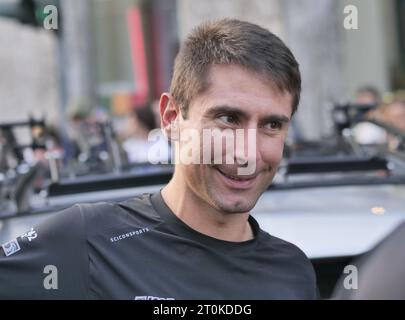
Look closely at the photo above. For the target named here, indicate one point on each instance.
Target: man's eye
(274, 125)
(228, 119)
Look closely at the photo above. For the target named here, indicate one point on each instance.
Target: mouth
(236, 181)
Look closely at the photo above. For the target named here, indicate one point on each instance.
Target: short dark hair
(233, 42)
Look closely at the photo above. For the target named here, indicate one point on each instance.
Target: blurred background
(79, 85)
(114, 55)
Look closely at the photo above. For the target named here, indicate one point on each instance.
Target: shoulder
(56, 247)
(136, 212)
(79, 221)
(85, 217)
(283, 246)
(64, 223)
(294, 258)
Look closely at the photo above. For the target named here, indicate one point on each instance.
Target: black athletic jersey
(139, 249)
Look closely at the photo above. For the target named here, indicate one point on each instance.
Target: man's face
(236, 100)
(395, 115)
(366, 97)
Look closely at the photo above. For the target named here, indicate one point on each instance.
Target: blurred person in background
(367, 95)
(80, 129)
(137, 145)
(86, 131)
(50, 146)
(366, 133)
(48, 140)
(393, 114)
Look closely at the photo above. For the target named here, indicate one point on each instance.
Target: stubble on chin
(221, 203)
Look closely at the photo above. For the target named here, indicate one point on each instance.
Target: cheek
(272, 151)
(192, 175)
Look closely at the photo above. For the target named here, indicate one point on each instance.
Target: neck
(202, 217)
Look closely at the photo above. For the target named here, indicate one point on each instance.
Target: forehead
(239, 87)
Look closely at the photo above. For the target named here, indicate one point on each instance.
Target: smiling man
(196, 238)
(213, 198)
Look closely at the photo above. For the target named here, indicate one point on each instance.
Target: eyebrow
(241, 113)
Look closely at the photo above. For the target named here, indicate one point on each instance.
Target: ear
(169, 113)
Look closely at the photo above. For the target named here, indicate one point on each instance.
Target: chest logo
(129, 234)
